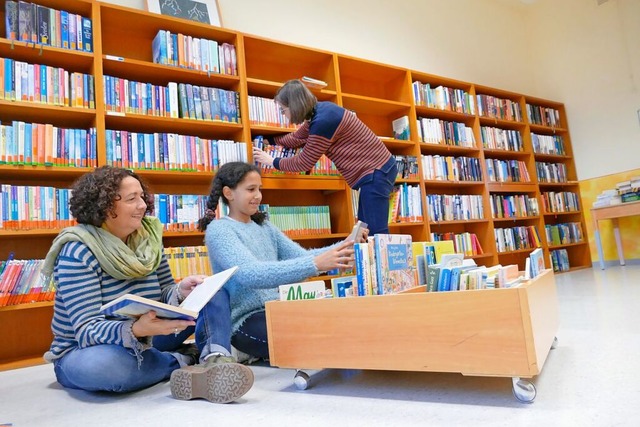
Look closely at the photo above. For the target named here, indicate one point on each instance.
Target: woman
(265, 256)
(359, 155)
(117, 249)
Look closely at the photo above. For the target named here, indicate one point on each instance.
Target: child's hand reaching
(340, 256)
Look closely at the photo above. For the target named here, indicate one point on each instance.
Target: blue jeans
(115, 368)
(251, 337)
(373, 203)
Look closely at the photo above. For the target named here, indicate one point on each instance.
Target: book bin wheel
(523, 390)
(554, 344)
(301, 380)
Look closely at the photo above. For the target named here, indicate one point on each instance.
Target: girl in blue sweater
(267, 258)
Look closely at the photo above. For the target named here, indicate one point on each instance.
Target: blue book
(444, 279)
(87, 35)
(131, 305)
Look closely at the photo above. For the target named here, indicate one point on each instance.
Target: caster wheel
(554, 344)
(301, 380)
(524, 390)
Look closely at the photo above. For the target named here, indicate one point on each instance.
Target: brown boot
(220, 380)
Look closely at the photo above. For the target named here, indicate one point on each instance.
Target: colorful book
(394, 263)
(130, 305)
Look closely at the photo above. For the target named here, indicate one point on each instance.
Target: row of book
(545, 116)
(179, 212)
(450, 168)
(498, 108)
(517, 238)
(563, 234)
(40, 144)
(323, 166)
(548, 144)
(185, 51)
(464, 243)
(454, 207)
(34, 23)
(299, 220)
(176, 100)
(499, 170)
(405, 204)
(444, 132)
(265, 112)
(43, 84)
(501, 139)
(562, 201)
(33, 207)
(443, 98)
(188, 260)
(551, 172)
(513, 206)
(21, 282)
(384, 265)
(170, 151)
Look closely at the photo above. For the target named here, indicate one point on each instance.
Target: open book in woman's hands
(130, 305)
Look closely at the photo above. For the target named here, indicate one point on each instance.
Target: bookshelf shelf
(501, 123)
(150, 124)
(144, 71)
(449, 150)
(377, 93)
(566, 245)
(39, 113)
(57, 57)
(521, 218)
(505, 154)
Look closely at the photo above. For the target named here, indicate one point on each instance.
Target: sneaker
(219, 379)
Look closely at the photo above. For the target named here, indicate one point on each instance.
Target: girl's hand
(340, 256)
(262, 157)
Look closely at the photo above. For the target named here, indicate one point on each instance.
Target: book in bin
(130, 305)
(394, 263)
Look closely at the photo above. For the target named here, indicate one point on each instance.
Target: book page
(201, 294)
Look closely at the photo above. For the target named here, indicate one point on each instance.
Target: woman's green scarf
(140, 256)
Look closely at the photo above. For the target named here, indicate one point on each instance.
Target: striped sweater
(266, 257)
(83, 287)
(342, 137)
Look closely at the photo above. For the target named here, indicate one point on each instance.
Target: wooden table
(613, 213)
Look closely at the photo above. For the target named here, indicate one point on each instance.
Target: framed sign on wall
(205, 11)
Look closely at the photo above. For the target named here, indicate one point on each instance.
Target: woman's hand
(340, 256)
(187, 284)
(262, 157)
(149, 325)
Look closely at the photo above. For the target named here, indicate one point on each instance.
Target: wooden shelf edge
(7, 365)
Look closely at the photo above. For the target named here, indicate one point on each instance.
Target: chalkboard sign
(205, 11)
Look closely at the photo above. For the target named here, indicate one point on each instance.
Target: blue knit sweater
(266, 257)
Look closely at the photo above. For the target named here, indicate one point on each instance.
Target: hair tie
(209, 214)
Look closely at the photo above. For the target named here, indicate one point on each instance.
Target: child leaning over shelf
(359, 155)
(265, 256)
(117, 249)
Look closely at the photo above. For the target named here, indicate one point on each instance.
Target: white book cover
(302, 290)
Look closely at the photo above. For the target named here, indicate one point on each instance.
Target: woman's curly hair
(94, 194)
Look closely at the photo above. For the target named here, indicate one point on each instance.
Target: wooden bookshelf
(377, 93)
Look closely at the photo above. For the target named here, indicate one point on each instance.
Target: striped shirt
(83, 287)
(342, 137)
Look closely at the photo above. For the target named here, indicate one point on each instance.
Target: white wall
(572, 51)
(588, 57)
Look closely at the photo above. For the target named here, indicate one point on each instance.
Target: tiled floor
(591, 379)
